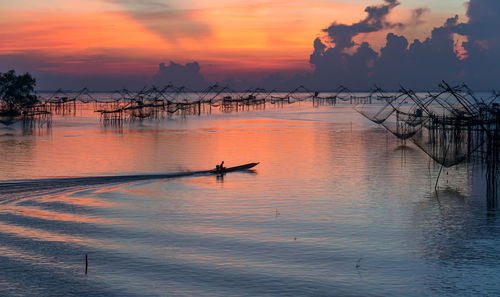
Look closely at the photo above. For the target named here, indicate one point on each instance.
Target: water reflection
(457, 238)
(39, 125)
(54, 216)
(330, 189)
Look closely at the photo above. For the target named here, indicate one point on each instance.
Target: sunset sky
(227, 37)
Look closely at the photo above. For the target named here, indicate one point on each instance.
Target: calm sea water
(336, 207)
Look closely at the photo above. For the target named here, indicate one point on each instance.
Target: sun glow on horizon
(225, 36)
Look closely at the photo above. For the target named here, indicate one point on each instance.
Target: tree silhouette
(16, 92)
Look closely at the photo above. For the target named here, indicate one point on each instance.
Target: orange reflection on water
(41, 235)
(73, 197)
(56, 216)
(46, 236)
(82, 200)
(291, 145)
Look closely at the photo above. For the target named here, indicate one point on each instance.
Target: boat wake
(13, 189)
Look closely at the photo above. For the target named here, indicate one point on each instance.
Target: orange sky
(224, 36)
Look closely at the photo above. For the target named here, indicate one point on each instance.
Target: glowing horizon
(225, 37)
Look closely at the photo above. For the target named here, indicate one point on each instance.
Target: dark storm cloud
(376, 20)
(418, 64)
(180, 75)
(482, 65)
(484, 19)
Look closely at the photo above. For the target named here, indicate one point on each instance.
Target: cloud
(141, 4)
(482, 28)
(165, 20)
(482, 45)
(376, 20)
(417, 13)
(98, 71)
(180, 75)
(418, 64)
(82, 69)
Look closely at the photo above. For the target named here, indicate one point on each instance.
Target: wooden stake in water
(86, 263)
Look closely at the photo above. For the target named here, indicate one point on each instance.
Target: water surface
(336, 207)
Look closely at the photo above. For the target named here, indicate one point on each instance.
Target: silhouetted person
(220, 168)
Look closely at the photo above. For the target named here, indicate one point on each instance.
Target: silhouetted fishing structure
(451, 126)
(155, 103)
(34, 120)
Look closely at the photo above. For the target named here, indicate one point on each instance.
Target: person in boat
(220, 168)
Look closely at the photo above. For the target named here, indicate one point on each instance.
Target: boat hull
(235, 168)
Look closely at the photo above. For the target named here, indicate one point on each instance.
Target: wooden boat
(235, 168)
